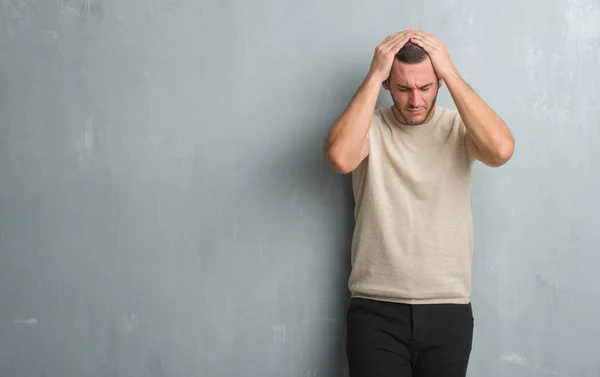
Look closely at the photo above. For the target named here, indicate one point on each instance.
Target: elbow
(337, 163)
(503, 153)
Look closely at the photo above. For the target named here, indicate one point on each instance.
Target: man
(410, 313)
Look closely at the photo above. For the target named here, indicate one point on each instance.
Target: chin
(413, 120)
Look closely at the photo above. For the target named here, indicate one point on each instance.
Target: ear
(440, 83)
(386, 84)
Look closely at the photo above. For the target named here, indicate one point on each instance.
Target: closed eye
(407, 89)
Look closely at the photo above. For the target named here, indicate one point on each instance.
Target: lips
(415, 111)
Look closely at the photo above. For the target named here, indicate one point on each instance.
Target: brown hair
(411, 53)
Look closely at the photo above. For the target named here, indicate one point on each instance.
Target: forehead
(413, 75)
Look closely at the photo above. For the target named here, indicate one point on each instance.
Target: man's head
(413, 85)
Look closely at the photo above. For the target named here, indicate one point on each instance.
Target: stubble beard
(409, 122)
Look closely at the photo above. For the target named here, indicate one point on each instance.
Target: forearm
(345, 143)
(487, 130)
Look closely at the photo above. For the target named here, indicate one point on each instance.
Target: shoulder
(450, 119)
(379, 116)
(379, 121)
(455, 130)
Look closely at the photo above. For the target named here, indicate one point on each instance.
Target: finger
(428, 38)
(396, 35)
(424, 34)
(432, 44)
(391, 43)
(430, 48)
(420, 42)
(406, 36)
(424, 42)
(417, 41)
(420, 36)
(385, 45)
(398, 45)
(387, 41)
(400, 41)
(417, 37)
(389, 38)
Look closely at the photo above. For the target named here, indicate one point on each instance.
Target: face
(414, 89)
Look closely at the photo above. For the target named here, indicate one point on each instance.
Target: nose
(413, 99)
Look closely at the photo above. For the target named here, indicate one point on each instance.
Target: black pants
(388, 339)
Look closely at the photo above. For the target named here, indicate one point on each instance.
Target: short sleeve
(462, 129)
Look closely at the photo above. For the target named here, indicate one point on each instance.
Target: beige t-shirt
(413, 238)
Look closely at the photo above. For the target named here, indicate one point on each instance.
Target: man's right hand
(347, 143)
(385, 53)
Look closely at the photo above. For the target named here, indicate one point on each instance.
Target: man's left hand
(437, 53)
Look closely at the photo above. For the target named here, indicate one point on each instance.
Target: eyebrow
(421, 87)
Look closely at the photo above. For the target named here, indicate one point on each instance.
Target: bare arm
(488, 137)
(347, 143)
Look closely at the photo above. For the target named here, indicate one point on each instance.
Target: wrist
(451, 77)
(374, 80)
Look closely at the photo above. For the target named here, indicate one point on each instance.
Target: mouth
(416, 111)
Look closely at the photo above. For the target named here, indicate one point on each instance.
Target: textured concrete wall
(166, 211)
